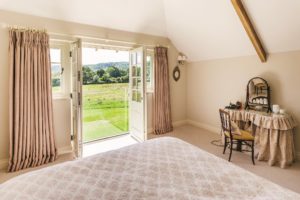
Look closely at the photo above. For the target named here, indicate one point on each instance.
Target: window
(149, 71)
(56, 70)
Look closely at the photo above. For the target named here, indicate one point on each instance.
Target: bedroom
(220, 60)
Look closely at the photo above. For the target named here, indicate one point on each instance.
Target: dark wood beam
(240, 10)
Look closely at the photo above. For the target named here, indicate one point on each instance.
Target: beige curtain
(162, 121)
(31, 111)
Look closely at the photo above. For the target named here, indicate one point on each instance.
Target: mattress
(164, 168)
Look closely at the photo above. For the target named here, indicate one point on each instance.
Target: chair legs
(231, 144)
(225, 144)
(252, 152)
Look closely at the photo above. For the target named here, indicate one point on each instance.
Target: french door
(76, 98)
(137, 95)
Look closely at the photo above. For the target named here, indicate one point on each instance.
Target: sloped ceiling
(210, 29)
(201, 29)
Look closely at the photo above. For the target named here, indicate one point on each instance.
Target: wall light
(181, 59)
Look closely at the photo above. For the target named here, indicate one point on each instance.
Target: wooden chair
(244, 139)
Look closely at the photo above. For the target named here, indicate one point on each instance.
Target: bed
(163, 168)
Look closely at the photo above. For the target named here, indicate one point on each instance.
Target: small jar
(275, 108)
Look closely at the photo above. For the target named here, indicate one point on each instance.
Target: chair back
(225, 121)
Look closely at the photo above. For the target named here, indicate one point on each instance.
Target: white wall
(61, 108)
(4, 139)
(213, 84)
(178, 89)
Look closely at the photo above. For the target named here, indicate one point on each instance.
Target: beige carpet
(288, 178)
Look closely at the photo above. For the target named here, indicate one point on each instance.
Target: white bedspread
(164, 168)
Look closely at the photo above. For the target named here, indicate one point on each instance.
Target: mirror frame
(176, 70)
(250, 105)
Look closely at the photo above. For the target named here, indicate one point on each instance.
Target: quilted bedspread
(164, 168)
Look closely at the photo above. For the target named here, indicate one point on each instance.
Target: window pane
(149, 71)
(55, 55)
(133, 58)
(56, 77)
(139, 58)
(56, 68)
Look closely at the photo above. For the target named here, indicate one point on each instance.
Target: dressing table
(274, 135)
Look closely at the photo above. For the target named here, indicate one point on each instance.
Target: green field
(105, 110)
(55, 89)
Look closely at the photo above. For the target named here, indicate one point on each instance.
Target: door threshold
(107, 145)
(106, 138)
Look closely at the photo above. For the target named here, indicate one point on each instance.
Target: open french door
(137, 94)
(76, 98)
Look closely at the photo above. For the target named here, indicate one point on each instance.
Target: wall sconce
(176, 71)
(181, 59)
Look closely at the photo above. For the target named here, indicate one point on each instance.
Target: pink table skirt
(274, 135)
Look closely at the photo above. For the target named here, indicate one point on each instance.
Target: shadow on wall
(275, 84)
(277, 93)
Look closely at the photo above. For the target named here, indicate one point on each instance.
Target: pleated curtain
(162, 121)
(31, 110)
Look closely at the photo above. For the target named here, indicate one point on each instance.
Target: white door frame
(139, 133)
(76, 97)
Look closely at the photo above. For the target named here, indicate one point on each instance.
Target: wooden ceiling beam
(240, 10)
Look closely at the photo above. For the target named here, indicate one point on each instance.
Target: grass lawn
(55, 89)
(105, 110)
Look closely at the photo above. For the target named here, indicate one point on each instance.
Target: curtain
(31, 111)
(162, 121)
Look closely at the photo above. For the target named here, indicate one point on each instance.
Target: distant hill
(120, 65)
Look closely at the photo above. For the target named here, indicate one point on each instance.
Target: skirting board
(64, 150)
(149, 130)
(3, 164)
(180, 123)
(210, 128)
(60, 151)
(193, 123)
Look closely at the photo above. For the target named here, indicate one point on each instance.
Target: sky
(55, 55)
(94, 56)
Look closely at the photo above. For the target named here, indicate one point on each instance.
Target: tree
(88, 75)
(95, 79)
(100, 72)
(113, 71)
(105, 78)
(125, 79)
(124, 72)
(55, 82)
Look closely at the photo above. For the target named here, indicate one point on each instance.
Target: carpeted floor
(288, 178)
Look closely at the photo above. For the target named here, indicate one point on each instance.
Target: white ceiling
(209, 29)
(143, 16)
(201, 29)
